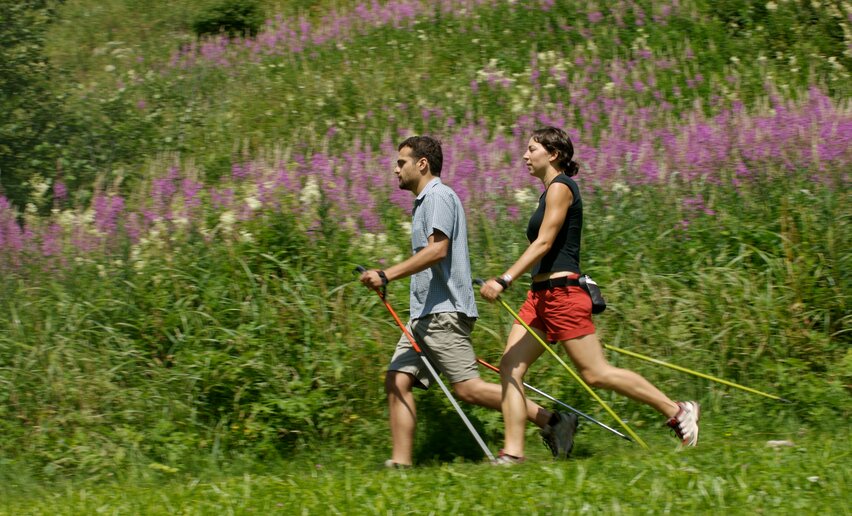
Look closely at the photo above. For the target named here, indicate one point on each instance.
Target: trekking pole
(594, 395)
(422, 355)
(565, 405)
(695, 373)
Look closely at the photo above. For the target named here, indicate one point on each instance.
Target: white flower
(109, 68)
(253, 203)
(523, 196)
(226, 220)
(39, 186)
(246, 237)
(311, 192)
(620, 188)
(88, 217)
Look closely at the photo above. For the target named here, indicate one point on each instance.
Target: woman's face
(537, 158)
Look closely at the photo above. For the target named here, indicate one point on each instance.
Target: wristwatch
(504, 281)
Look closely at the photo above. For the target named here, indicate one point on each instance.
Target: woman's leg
(587, 354)
(521, 351)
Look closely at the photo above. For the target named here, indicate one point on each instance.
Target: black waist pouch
(589, 285)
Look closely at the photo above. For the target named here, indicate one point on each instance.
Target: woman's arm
(558, 200)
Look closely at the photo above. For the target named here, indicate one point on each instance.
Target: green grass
(733, 472)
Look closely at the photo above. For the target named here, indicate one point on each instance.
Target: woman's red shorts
(562, 313)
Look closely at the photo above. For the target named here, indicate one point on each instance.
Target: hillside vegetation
(181, 215)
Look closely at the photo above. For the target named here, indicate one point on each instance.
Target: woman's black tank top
(565, 253)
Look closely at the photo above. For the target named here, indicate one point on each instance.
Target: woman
(557, 308)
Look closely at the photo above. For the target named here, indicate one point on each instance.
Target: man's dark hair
(426, 147)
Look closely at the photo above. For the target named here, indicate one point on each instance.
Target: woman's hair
(554, 139)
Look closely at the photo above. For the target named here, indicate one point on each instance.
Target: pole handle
(360, 269)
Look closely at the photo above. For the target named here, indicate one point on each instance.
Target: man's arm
(436, 250)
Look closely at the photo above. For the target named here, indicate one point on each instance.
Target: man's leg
(403, 415)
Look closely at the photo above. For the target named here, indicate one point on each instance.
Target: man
(443, 308)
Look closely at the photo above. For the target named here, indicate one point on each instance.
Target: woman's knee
(595, 377)
(511, 367)
(511, 377)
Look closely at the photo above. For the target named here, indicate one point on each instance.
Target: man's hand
(372, 279)
(490, 290)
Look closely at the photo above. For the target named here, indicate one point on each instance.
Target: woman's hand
(491, 290)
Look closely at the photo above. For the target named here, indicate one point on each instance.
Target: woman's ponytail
(571, 168)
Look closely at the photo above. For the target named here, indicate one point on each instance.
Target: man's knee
(467, 390)
(397, 383)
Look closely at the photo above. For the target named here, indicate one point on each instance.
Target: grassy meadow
(181, 330)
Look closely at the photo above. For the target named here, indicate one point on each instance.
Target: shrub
(232, 17)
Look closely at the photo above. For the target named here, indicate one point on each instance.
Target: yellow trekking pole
(695, 373)
(594, 395)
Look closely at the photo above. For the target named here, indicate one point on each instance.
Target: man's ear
(423, 164)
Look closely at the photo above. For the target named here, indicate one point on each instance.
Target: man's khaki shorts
(445, 338)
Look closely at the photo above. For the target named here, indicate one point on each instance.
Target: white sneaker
(504, 459)
(685, 422)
